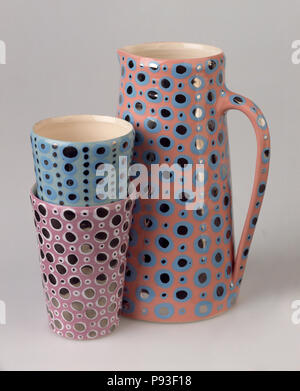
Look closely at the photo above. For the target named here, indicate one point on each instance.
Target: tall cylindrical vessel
(181, 263)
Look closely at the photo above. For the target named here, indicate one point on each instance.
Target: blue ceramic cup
(69, 153)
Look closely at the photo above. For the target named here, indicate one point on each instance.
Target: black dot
(151, 124)
(182, 262)
(74, 281)
(165, 83)
(113, 263)
(70, 152)
(153, 66)
(70, 237)
(139, 106)
(151, 157)
(72, 197)
(101, 257)
(182, 230)
(220, 291)
(141, 77)
(101, 236)
(68, 167)
(211, 125)
(182, 161)
(63, 292)
(181, 295)
(202, 278)
(165, 113)
(262, 188)
(210, 96)
(114, 242)
(212, 64)
(226, 200)
(37, 216)
(61, 269)
(180, 98)
(201, 243)
(163, 242)
(100, 150)
(181, 69)
(254, 220)
(165, 142)
(52, 279)
(181, 129)
(101, 277)
(164, 208)
(116, 220)
(238, 100)
(46, 233)
(129, 90)
(59, 248)
(128, 205)
(246, 252)
(152, 94)
(42, 210)
(69, 215)
(56, 224)
(102, 212)
(218, 257)
(85, 225)
(49, 257)
(164, 278)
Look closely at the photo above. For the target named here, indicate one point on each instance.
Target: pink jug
(181, 263)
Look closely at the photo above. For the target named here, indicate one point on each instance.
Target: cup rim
(126, 127)
(110, 205)
(140, 50)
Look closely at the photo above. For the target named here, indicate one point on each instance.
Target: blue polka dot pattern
(66, 172)
(186, 256)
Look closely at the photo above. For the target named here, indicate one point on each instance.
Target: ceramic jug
(182, 266)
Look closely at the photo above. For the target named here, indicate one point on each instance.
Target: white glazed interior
(172, 50)
(82, 128)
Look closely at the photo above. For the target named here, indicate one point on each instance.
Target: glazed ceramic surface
(181, 263)
(67, 152)
(82, 259)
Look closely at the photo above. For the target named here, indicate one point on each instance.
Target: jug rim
(174, 51)
(69, 128)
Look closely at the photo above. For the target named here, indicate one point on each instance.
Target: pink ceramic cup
(83, 261)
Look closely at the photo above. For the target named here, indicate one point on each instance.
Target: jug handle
(232, 101)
